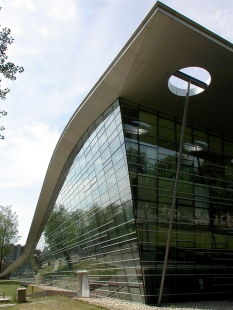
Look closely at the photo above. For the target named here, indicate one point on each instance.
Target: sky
(64, 47)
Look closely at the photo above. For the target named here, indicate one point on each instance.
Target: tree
(8, 231)
(8, 69)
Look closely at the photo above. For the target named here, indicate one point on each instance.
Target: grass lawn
(53, 302)
(9, 288)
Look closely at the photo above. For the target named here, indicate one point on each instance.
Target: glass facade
(112, 204)
(92, 225)
(200, 259)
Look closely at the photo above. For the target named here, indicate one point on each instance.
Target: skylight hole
(178, 85)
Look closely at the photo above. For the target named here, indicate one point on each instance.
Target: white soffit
(98, 103)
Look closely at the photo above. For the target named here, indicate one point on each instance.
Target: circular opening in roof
(200, 80)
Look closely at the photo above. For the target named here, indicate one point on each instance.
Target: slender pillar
(175, 192)
(83, 283)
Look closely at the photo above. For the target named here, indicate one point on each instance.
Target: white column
(83, 283)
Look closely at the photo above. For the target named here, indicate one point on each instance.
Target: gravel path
(114, 304)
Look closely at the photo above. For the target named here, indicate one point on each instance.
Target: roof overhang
(165, 42)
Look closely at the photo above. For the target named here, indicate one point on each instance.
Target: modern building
(109, 193)
(15, 252)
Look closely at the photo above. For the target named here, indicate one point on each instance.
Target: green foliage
(8, 231)
(8, 69)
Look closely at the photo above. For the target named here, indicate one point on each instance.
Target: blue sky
(64, 47)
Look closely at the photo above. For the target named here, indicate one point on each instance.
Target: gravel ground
(114, 304)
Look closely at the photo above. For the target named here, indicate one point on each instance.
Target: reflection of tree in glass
(215, 174)
(71, 233)
(140, 163)
(61, 230)
(167, 167)
(203, 168)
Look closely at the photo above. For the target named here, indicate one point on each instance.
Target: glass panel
(203, 217)
(87, 229)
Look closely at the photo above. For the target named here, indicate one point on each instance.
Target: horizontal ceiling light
(196, 147)
(137, 127)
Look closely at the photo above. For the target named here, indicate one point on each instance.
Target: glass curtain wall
(92, 224)
(200, 259)
(112, 203)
